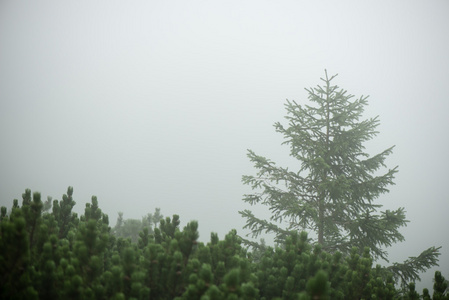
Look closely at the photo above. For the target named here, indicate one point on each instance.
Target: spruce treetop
(333, 190)
(336, 182)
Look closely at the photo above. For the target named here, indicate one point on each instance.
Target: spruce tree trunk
(321, 220)
(322, 197)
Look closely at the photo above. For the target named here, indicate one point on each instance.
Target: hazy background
(151, 104)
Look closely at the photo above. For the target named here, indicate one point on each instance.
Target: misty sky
(151, 104)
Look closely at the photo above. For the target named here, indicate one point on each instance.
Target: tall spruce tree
(333, 192)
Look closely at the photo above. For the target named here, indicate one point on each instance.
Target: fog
(151, 104)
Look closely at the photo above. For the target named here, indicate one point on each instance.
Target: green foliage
(62, 212)
(15, 264)
(131, 228)
(440, 287)
(408, 270)
(90, 262)
(333, 192)
(411, 293)
(318, 286)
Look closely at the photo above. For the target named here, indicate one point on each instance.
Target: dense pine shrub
(51, 253)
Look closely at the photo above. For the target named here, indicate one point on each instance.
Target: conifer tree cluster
(130, 228)
(51, 253)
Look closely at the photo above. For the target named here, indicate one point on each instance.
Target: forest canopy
(56, 254)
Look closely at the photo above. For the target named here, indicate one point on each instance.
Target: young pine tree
(334, 188)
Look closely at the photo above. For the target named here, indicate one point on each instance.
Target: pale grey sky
(153, 103)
